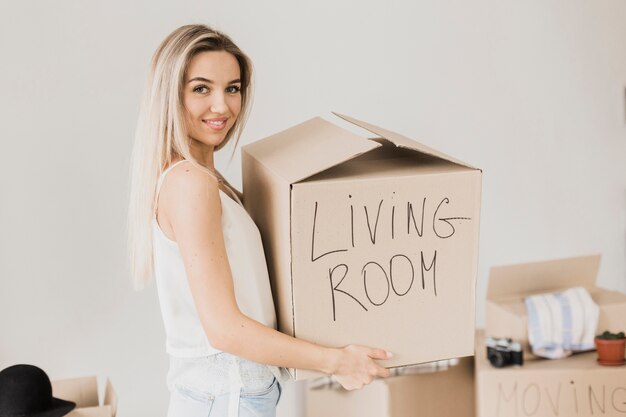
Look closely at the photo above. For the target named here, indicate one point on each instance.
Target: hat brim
(58, 408)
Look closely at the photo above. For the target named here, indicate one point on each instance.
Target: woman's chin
(209, 140)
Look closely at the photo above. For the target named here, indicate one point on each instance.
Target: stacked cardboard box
(574, 386)
(437, 394)
(368, 241)
(509, 285)
(84, 392)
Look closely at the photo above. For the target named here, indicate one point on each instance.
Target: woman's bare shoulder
(186, 177)
(188, 191)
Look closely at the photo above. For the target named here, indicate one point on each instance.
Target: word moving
(560, 399)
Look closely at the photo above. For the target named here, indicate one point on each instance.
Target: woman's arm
(192, 207)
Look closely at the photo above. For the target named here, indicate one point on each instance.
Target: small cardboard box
(508, 285)
(437, 394)
(84, 392)
(368, 241)
(576, 386)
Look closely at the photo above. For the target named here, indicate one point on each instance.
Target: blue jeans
(221, 385)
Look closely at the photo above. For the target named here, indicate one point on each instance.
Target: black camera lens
(495, 358)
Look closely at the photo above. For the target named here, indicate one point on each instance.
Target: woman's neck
(205, 158)
(203, 154)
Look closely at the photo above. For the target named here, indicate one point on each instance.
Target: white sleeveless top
(185, 336)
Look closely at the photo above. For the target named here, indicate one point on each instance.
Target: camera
(504, 352)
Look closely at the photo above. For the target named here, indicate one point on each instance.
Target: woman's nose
(218, 105)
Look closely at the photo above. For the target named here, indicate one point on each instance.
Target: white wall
(531, 91)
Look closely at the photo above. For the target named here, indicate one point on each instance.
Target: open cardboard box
(575, 386)
(368, 241)
(437, 394)
(509, 285)
(84, 392)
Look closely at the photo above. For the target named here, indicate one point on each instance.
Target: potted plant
(610, 348)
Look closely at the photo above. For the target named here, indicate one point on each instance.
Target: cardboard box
(368, 241)
(573, 387)
(508, 285)
(84, 392)
(438, 394)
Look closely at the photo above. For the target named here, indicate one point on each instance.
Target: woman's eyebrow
(200, 79)
(211, 81)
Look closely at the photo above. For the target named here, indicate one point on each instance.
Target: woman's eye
(233, 89)
(199, 88)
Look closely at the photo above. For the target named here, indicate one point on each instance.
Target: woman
(187, 228)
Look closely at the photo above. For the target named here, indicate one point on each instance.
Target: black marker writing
(445, 220)
(374, 272)
(313, 257)
(391, 274)
(334, 288)
(373, 236)
(384, 274)
(410, 216)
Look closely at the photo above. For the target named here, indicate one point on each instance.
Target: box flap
(304, 150)
(82, 391)
(110, 398)
(543, 276)
(402, 141)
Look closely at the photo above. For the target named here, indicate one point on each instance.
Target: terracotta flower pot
(610, 352)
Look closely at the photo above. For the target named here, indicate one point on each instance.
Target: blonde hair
(161, 133)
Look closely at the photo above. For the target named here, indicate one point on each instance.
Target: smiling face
(212, 97)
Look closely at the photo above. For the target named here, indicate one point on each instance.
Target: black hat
(25, 391)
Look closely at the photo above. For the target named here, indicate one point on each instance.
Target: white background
(531, 91)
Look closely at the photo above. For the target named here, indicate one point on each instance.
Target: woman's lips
(216, 124)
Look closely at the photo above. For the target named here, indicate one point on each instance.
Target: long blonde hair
(161, 133)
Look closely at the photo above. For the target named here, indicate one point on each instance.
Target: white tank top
(185, 336)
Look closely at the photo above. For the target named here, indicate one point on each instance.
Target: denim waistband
(218, 374)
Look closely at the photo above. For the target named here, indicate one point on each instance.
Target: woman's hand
(356, 366)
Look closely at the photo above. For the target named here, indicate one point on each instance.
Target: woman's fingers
(362, 367)
(383, 372)
(379, 354)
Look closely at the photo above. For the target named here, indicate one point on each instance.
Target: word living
(408, 228)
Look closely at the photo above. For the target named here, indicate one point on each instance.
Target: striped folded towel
(329, 382)
(561, 323)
